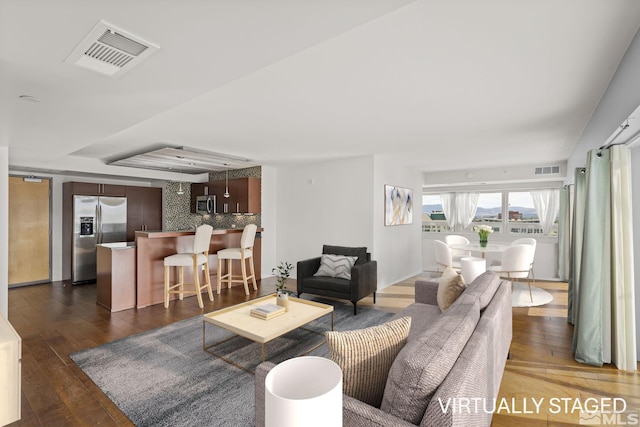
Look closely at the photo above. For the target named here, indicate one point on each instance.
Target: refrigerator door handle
(99, 224)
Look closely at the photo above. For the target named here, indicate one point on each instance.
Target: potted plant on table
(282, 272)
(483, 232)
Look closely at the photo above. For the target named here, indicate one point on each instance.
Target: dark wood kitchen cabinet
(144, 210)
(93, 189)
(245, 194)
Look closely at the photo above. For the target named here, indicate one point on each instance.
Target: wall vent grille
(110, 50)
(547, 170)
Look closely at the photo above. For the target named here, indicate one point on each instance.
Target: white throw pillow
(338, 266)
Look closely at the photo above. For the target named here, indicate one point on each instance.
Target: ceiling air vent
(110, 50)
(547, 170)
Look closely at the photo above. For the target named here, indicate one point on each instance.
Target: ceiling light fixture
(180, 191)
(226, 187)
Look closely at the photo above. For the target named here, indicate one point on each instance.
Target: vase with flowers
(483, 232)
(282, 272)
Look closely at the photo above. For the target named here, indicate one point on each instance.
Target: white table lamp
(304, 391)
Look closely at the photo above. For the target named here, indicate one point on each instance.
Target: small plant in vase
(282, 272)
(483, 232)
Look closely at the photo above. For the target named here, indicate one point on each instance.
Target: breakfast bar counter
(153, 246)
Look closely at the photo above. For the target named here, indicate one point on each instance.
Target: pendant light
(226, 188)
(180, 191)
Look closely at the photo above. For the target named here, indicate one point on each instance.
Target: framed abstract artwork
(398, 205)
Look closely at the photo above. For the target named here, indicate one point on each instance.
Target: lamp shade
(304, 391)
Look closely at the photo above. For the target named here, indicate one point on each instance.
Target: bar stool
(195, 259)
(243, 253)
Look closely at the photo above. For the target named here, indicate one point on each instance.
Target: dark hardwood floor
(55, 320)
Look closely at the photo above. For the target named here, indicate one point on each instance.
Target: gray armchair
(364, 276)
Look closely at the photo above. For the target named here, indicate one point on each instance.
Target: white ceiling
(453, 84)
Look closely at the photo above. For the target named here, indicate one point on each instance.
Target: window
(522, 216)
(433, 219)
(511, 212)
(489, 211)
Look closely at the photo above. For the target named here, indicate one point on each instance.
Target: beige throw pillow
(366, 355)
(450, 286)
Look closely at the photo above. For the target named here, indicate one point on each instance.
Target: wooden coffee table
(237, 319)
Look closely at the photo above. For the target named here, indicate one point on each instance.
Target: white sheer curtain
(547, 204)
(466, 206)
(449, 208)
(459, 208)
(622, 275)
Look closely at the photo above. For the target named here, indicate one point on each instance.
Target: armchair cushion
(360, 252)
(336, 266)
(365, 357)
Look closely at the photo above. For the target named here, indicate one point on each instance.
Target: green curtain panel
(602, 277)
(564, 234)
(595, 276)
(577, 231)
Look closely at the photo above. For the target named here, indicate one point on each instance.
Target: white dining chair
(197, 257)
(243, 253)
(524, 241)
(444, 258)
(453, 240)
(515, 264)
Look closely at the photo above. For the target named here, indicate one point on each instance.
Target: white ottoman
(472, 267)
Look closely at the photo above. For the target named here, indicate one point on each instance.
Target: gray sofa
(458, 354)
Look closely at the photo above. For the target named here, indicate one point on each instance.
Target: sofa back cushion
(423, 363)
(483, 288)
(360, 252)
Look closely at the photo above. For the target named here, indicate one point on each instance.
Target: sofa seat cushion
(360, 252)
(365, 357)
(483, 288)
(424, 363)
(423, 316)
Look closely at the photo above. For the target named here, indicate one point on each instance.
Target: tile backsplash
(178, 215)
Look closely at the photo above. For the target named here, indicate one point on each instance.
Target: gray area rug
(164, 378)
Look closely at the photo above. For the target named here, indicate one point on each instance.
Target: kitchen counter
(153, 246)
(178, 233)
(116, 275)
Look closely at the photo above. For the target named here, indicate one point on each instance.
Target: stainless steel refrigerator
(95, 220)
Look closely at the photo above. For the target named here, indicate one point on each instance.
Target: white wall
(4, 231)
(269, 255)
(620, 99)
(322, 203)
(398, 249)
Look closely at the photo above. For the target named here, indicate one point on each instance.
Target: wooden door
(29, 231)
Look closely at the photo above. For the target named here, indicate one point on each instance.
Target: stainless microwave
(206, 205)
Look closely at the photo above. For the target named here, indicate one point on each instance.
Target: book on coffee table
(267, 311)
